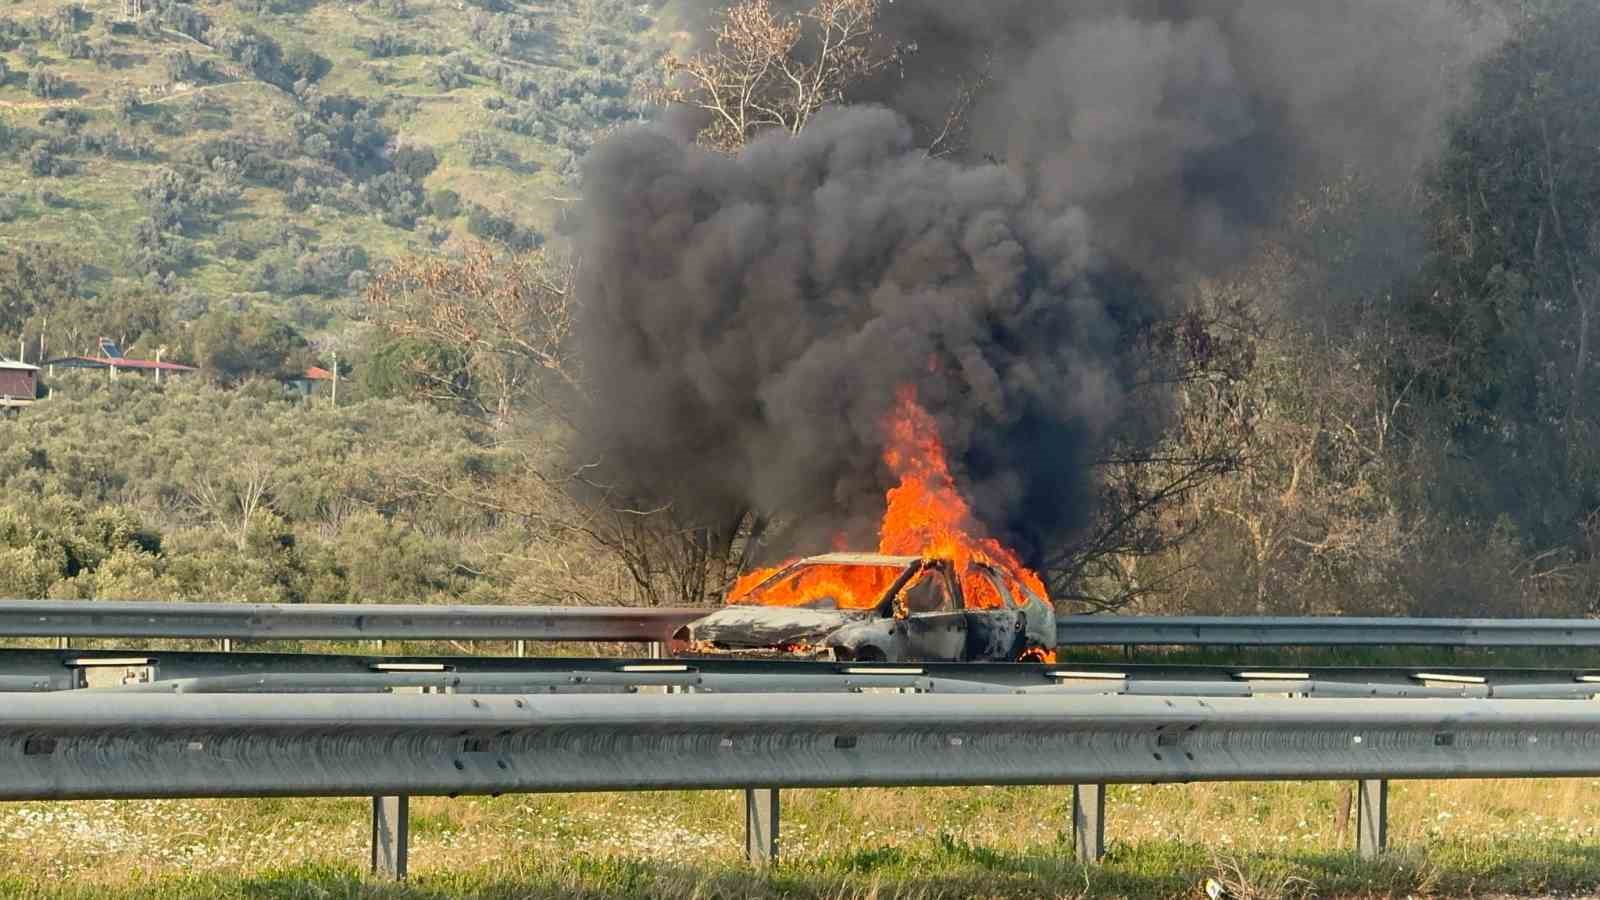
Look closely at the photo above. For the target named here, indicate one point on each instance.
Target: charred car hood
(768, 626)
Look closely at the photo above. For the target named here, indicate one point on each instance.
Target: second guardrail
(335, 621)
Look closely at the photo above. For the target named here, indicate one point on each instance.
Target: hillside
(1379, 396)
(272, 153)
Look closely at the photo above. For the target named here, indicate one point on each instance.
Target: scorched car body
(921, 614)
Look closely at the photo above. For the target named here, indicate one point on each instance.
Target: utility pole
(335, 378)
(159, 351)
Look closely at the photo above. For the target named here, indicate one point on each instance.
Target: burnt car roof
(858, 559)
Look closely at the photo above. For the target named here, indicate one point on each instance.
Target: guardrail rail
(338, 621)
(89, 744)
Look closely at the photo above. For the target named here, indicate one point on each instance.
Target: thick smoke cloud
(1179, 125)
(748, 318)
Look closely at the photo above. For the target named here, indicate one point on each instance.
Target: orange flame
(851, 587)
(925, 516)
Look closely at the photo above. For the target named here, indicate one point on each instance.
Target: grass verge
(934, 870)
(1462, 838)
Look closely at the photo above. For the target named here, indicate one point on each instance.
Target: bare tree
(772, 70)
(657, 556)
(1191, 367)
(1306, 519)
(232, 499)
(507, 320)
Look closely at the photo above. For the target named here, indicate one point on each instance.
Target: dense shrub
(183, 67)
(444, 204)
(387, 44)
(306, 65)
(212, 503)
(47, 85)
(453, 72)
(181, 17)
(186, 199)
(160, 253)
(64, 119)
(43, 162)
(259, 53)
(327, 270)
(395, 198)
(69, 18)
(503, 229)
(116, 144)
(127, 104)
(355, 134)
(415, 162)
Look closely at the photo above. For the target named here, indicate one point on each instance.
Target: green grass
(935, 870)
(1264, 840)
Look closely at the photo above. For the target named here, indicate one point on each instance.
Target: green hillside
(275, 152)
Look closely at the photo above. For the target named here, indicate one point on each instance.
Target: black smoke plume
(746, 319)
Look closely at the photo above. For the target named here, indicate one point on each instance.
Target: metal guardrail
(53, 669)
(336, 621)
(623, 682)
(560, 683)
(768, 723)
(332, 621)
(88, 744)
(26, 683)
(1325, 631)
(80, 745)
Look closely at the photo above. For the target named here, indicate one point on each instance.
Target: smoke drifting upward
(1180, 124)
(747, 318)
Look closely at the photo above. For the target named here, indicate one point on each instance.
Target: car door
(995, 633)
(1020, 625)
(933, 626)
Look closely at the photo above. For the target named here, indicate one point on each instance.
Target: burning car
(937, 588)
(874, 606)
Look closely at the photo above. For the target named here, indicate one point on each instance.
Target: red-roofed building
(118, 365)
(112, 360)
(307, 382)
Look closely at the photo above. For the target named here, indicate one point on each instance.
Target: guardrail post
(391, 827)
(761, 825)
(1088, 822)
(1372, 817)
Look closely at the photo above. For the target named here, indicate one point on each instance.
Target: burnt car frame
(921, 615)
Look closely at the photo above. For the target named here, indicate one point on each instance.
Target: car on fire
(893, 608)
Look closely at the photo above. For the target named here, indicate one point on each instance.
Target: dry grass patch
(1259, 840)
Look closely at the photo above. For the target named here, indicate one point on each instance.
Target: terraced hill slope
(274, 152)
